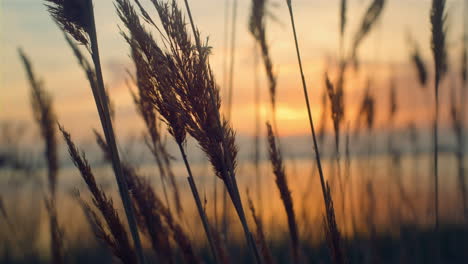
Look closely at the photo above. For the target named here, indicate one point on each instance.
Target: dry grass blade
(260, 234)
(115, 237)
(438, 28)
(368, 21)
(282, 184)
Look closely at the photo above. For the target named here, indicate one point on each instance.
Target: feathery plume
(45, 117)
(343, 19)
(146, 206)
(164, 76)
(419, 65)
(73, 17)
(438, 45)
(371, 16)
(337, 107)
(114, 234)
(257, 27)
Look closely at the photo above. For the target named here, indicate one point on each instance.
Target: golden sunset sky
(385, 53)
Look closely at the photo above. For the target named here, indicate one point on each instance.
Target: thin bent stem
(196, 196)
(306, 96)
(232, 53)
(257, 133)
(436, 156)
(106, 123)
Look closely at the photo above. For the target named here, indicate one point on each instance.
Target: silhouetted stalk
(257, 135)
(110, 139)
(230, 179)
(331, 224)
(463, 110)
(437, 18)
(201, 211)
(306, 96)
(45, 118)
(232, 58)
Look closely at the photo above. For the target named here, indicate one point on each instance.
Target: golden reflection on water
(373, 200)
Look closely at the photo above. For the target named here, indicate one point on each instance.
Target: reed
(232, 58)
(257, 28)
(76, 18)
(438, 18)
(154, 142)
(330, 220)
(44, 115)
(369, 20)
(419, 65)
(223, 144)
(148, 217)
(161, 75)
(260, 234)
(112, 233)
(461, 128)
(457, 127)
(285, 193)
(393, 149)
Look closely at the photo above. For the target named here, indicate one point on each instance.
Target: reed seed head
(73, 17)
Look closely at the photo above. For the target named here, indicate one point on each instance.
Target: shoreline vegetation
(199, 194)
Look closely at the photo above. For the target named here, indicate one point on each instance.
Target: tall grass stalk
(260, 234)
(45, 117)
(257, 27)
(232, 58)
(112, 232)
(228, 163)
(77, 18)
(438, 27)
(147, 57)
(285, 193)
(330, 220)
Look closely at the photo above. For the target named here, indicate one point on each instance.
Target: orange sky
(26, 23)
